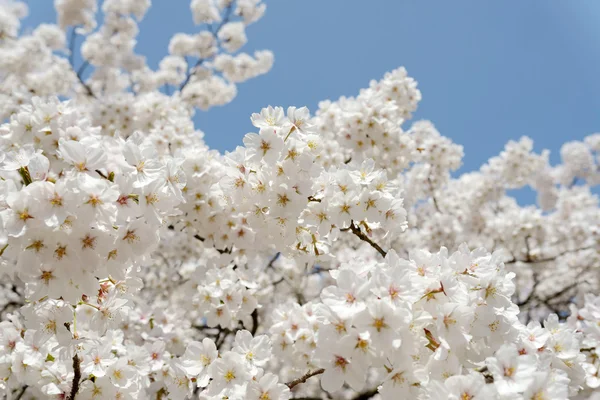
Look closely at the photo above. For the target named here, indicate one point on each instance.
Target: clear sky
(489, 71)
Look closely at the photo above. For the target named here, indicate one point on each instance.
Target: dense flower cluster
(333, 255)
(432, 325)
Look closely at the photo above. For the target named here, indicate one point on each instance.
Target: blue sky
(489, 71)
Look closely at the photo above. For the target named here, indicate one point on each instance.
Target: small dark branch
(300, 298)
(348, 160)
(87, 88)
(203, 328)
(254, 322)
(76, 377)
(215, 33)
(312, 198)
(304, 377)
(365, 395)
(226, 250)
(532, 293)
(358, 232)
(10, 304)
(560, 292)
(564, 290)
(101, 174)
(528, 256)
(82, 68)
(72, 38)
(190, 73)
(273, 259)
(226, 17)
(277, 282)
(541, 260)
(21, 393)
(435, 203)
(587, 349)
(221, 339)
(573, 182)
(307, 398)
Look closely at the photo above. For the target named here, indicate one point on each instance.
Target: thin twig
(435, 203)
(82, 68)
(189, 74)
(532, 293)
(21, 393)
(305, 377)
(215, 33)
(358, 232)
(272, 260)
(366, 395)
(72, 38)
(254, 322)
(541, 260)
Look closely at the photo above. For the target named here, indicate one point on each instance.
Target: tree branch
(305, 377)
(72, 38)
(254, 322)
(21, 393)
(76, 377)
(435, 203)
(358, 232)
(78, 73)
(366, 395)
(215, 33)
(189, 74)
(534, 260)
(273, 259)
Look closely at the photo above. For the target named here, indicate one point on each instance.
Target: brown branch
(359, 233)
(215, 33)
(366, 395)
(76, 377)
(532, 293)
(10, 304)
(528, 257)
(305, 377)
(533, 260)
(200, 238)
(21, 393)
(273, 259)
(221, 251)
(254, 322)
(191, 73)
(435, 203)
(307, 398)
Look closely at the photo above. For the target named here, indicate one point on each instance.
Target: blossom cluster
(431, 325)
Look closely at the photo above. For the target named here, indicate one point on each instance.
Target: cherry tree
(333, 256)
